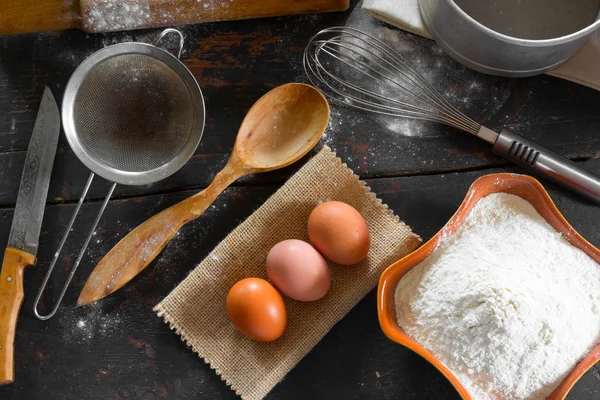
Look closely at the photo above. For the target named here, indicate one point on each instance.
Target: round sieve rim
(117, 175)
(529, 42)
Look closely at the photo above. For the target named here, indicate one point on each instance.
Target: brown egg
(256, 309)
(339, 232)
(298, 270)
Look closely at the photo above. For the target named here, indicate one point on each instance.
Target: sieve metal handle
(62, 243)
(165, 33)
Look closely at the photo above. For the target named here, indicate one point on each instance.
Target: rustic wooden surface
(118, 348)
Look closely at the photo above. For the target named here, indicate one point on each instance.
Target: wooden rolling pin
(23, 16)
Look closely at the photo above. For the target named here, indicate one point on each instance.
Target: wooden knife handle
(11, 298)
(22, 16)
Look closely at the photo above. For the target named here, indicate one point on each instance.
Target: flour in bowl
(505, 302)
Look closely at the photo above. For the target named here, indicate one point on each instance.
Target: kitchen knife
(26, 225)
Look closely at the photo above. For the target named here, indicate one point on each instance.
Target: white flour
(505, 302)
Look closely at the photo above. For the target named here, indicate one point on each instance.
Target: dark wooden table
(118, 348)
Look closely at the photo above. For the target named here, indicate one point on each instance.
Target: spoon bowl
(280, 128)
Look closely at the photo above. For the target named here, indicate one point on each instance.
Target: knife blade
(24, 236)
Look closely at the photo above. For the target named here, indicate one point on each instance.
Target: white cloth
(583, 67)
(403, 14)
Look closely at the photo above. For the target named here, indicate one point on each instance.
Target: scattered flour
(115, 39)
(90, 322)
(478, 96)
(505, 302)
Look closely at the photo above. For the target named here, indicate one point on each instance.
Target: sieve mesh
(133, 113)
(533, 19)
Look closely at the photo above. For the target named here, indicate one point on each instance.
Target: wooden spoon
(280, 128)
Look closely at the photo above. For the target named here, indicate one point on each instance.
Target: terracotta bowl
(521, 185)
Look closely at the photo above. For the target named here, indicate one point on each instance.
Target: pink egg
(298, 270)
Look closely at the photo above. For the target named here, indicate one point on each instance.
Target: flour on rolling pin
(26, 16)
(119, 15)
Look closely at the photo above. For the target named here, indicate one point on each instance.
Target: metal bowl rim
(528, 42)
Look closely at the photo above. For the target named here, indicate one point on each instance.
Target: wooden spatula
(22, 16)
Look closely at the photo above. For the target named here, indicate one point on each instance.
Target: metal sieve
(508, 37)
(133, 114)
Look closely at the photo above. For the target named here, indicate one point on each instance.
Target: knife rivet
(9, 279)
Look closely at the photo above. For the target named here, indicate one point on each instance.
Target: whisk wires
(361, 71)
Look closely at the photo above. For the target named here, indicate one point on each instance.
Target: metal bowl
(523, 186)
(512, 40)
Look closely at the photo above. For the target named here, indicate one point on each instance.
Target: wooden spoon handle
(11, 298)
(136, 250)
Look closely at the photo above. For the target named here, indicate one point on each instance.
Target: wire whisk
(361, 71)
(358, 70)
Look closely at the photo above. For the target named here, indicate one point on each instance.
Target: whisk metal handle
(60, 247)
(559, 169)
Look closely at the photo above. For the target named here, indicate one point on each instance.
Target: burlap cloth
(196, 308)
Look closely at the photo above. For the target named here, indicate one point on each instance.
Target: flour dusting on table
(477, 95)
(91, 322)
(505, 302)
